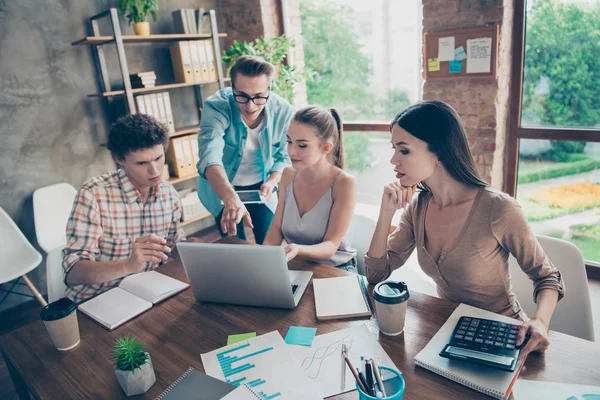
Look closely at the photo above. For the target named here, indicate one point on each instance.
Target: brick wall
(247, 20)
(482, 103)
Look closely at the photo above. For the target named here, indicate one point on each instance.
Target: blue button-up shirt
(223, 136)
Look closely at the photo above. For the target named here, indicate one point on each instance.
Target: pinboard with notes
(461, 53)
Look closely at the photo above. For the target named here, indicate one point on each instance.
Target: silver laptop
(242, 274)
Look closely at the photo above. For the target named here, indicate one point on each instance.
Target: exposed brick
(489, 146)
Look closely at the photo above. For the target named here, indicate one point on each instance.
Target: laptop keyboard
(294, 288)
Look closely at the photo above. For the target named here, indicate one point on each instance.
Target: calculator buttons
(510, 346)
(490, 342)
(478, 340)
(458, 336)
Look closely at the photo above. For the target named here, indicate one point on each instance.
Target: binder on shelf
(200, 48)
(162, 108)
(199, 14)
(189, 155)
(180, 21)
(169, 111)
(148, 104)
(191, 18)
(182, 64)
(154, 102)
(195, 149)
(141, 105)
(210, 58)
(195, 62)
(176, 159)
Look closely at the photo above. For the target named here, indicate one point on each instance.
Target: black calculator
(484, 341)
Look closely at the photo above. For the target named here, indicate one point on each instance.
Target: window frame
(515, 131)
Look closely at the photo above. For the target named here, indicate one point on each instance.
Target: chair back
(362, 228)
(573, 314)
(54, 275)
(51, 209)
(17, 254)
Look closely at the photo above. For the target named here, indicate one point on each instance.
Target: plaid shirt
(108, 216)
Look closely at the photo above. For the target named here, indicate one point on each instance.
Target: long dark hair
(438, 124)
(328, 124)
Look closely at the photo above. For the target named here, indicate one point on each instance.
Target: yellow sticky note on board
(433, 64)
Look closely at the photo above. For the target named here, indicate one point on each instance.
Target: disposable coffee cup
(390, 306)
(60, 318)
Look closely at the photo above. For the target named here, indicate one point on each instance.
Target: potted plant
(133, 366)
(273, 50)
(138, 12)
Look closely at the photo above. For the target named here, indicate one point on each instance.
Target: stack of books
(188, 21)
(143, 80)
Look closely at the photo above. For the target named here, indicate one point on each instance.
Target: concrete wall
(49, 130)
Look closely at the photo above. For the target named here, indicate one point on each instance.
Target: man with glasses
(242, 146)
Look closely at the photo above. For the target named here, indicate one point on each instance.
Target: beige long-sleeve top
(474, 270)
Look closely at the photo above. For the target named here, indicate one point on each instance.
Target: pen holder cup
(393, 383)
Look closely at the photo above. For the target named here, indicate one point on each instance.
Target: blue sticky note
(300, 335)
(459, 53)
(455, 67)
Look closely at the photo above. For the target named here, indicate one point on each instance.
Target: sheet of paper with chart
(265, 365)
(322, 362)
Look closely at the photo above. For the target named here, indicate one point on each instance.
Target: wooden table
(178, 330)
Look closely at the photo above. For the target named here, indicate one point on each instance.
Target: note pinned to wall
(446, 49)
(459, 53)
(479, 55)
(455, 67)
(433, 64)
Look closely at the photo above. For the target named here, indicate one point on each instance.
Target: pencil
(378, 377)
(354, 372)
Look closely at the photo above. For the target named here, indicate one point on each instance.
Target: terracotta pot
(138, 381)
(141, 28)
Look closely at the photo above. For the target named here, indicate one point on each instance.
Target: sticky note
(231, 339)
(446, 49)
(433, 64)
(459, 53)
(300, 335)
(455, 67)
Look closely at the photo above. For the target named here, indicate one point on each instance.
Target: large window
(366, 59)
(556, 120)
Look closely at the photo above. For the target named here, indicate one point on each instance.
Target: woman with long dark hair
(462, 229)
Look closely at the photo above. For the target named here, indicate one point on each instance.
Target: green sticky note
(231, 339)
(300, 335)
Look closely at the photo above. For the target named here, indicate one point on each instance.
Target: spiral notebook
(193, 384)
(342, 297)
(493, 382)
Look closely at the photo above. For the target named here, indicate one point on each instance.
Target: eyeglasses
(258, 100)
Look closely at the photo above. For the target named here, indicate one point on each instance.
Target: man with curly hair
(122, 222)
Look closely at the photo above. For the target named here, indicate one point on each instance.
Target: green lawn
(533, 171)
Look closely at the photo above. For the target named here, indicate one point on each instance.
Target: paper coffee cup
(60, 318)
(390, 306)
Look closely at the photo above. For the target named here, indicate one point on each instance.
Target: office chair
(573, 314)
(51, 209)
(54, 275)
(18, 257)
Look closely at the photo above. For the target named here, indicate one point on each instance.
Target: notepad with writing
(341, 297)
(134, 295)
(493, 382)
(195, 385)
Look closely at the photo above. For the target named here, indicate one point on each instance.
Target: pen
(363, 381)
(353, 372)
(369, 376)
(344, 351)
(378, 377)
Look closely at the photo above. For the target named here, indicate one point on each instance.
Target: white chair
(54, 275)
(362, 232)
(51, 209)
(573, 314)
(18, 256)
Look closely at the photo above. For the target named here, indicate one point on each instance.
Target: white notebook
(134, 295)
(493, 382)
(341, 297)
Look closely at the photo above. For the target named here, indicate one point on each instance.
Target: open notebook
(134, 295)
(341, 297)
(195, 385)
(493, 382)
